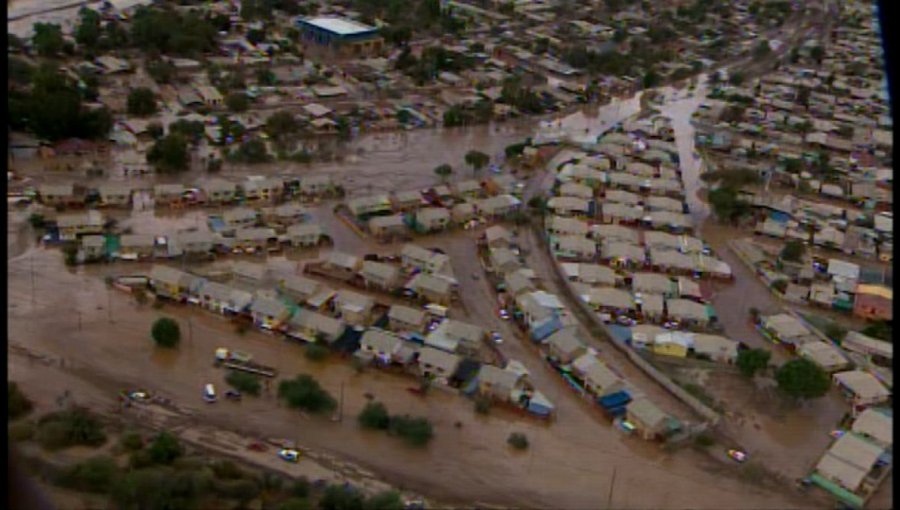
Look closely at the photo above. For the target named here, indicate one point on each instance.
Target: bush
(93, 475)
(159, 488)
(338, 497)
(165, 448)
(750, 361)
(316, 352)
(70, 428)
(227, 470)
(166, 333)
(17, 403)
(415, 431)
(244, 382)
(387, 500)
(141, 102)
(374, 416)
(780, 285)
(17, 432)
(295, 504)
(300, 489)
(704, 441)
(793, 251)
(835, 331)
(483, 405)
(237, 102)
(517, 440)
(240, 490)
(303, 392)
(132, 441)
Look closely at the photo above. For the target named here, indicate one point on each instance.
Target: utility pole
(341, 413)
(109, 305)
(612, 484)
(33, 297)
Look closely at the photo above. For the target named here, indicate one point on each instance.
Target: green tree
(518, 441)
(736, 79)
(166, 332)
(295, 504)
(244, 382)
(477, 160)
(17, 403)
(415, 431)
(47, 39)
(516, 149)
(70, 428)
(835, 331)
(726, 205)
(762, 49)
(237, 102)
(88, 32)
(881, 330)
(132, 441)
(19, 71)
(793, 251)
(165, 448)
(316, 352)
(750, 361)
(337, 497)
(161, 71)
(538, 204)
(282, 124)
(387, 500)
(265, 77)
(141, 102)
(253, 151)
(304, 392)
(780, 285)
(93, 475)
(374, 416)
(801, 378)
(651, 79)
(443, 171)
(169, 154)
(817, 53)
(191, 130)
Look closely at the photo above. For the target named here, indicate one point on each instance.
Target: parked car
(289, 455)
(209, 394)
(233, 395)
(497, 337)
(737, 455)
(503, 314)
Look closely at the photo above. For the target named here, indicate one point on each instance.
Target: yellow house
(672, 344)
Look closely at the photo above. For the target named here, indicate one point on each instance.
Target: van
(209, 393)
(436, 310)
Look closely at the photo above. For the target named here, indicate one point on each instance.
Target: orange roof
(876, 290)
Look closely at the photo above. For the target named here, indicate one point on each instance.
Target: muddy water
(569, 464)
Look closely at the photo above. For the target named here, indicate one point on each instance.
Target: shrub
(17, 403)
(780, 285)
(70, 428)
(165, 448)
(244, 382)
(415, 431)
(304, 392)
(166, 333)
(132, 441)
(338, 497)
(517, 440)
(295, 504)
(92, 475)
(316, 352)
(793, 251)
(387, 500)
(483, 405)
(750, 361)
(704, 441)
(17, 432)
(227, 470)
(300, 489)
(375, 416)
(242, 490)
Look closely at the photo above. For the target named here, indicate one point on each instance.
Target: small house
(298, 288)
(370, 205)
(653, 283)
(574, 247)
(209, 95)
(304, 234)
(266, 190)
(382, 345)
(269, 313)
(354, 308)
(407, 200)
(862, 388)
(240, 217)
(169, 282)
(715, 348)
(828, 357)
(343, 265)
(386, 228)
(136, 246)
(115, 194)
(496, 236)
(93, 247)
(565, 345)
(687, 311)
(569, 206)
(379, 275)
(437, 365)
(74, 225)
(874, 302)
(504, 260)
(311, 326)
(462, 213)
(432, 219)
(649, 420)
(219, 191)
(59, 195)
(169, 195)
(436, 289)
(597, 377)
(405, 319)
(497, 206)
(498, 383)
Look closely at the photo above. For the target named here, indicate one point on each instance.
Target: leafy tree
(750, 361)
(443, 171)
(252, 152)
(374, 416)
(337, 497)
(141, 102)
(160, 487)
(19, 71)
(300, 488)
(166, 332)
(477, 160)
(304, 392)
(165, 448)
(762, 49)
(281, 124)
(726, 205)
(793, 251)
(244, 382)
(88, 31)
(881, 330)
(801, 378)
(93, 475)
(237, 102)
(736, 79)
(70, 428)
(169, 31)
(155, 130)
(415, 431)
(47, 39)
(517, 440)
(514, 150)
(132, 441)
(170, 154)
(835, 331)
(265, 77)
(651, 79)
(17, 403)
(387, 500)
(191, 130)
(538, 204)
(161, 71)
(817, 53)
(780, 285)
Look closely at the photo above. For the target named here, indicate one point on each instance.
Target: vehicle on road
(289, 455)
(496, 337)
(257, 446)
(233, 395)
(737, 455)
(209, 394)
(837, 434)
(503, 314)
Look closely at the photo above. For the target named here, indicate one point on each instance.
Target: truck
(614, 404)
(237, 360)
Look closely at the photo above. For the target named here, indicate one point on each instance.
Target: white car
(496, 337)
(289, 455)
